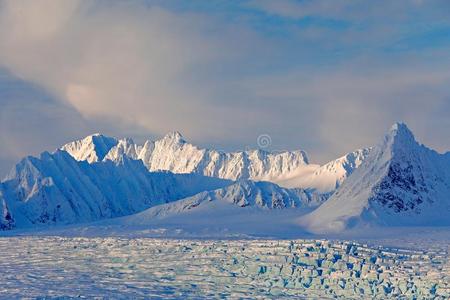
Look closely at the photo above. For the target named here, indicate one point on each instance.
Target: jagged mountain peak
(400, 135)
(126, 141)
(92, 148)
(400, 126)
(97, 139)
(94, 135)
(173, 153)
(174, 136)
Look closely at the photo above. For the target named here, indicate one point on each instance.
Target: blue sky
(325, 76)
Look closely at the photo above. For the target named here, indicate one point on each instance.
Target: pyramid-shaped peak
(92, 148)
(91, 137)
(96, 136)
(174, 136)
(400, 127)
(400, 133)
(400, 183)
(100, 138)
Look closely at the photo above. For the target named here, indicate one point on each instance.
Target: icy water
(119, 268)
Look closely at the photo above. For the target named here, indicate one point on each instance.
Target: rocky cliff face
(6, 219)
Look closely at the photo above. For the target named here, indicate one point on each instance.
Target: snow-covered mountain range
(398, 182)
(102, 177)
(290, 169)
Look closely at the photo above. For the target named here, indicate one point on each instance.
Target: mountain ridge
(290, 169)
(243, 193)
(57, 189)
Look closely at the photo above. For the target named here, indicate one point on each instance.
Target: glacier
(142, 268)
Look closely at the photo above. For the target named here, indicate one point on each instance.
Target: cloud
(32, 121)
(324, 76)
(352, 107)
(115, 57)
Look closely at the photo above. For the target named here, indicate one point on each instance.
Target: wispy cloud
(356, 10)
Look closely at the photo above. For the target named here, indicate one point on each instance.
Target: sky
(324, 76)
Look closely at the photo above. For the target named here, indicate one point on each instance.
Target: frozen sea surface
(123, 268)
